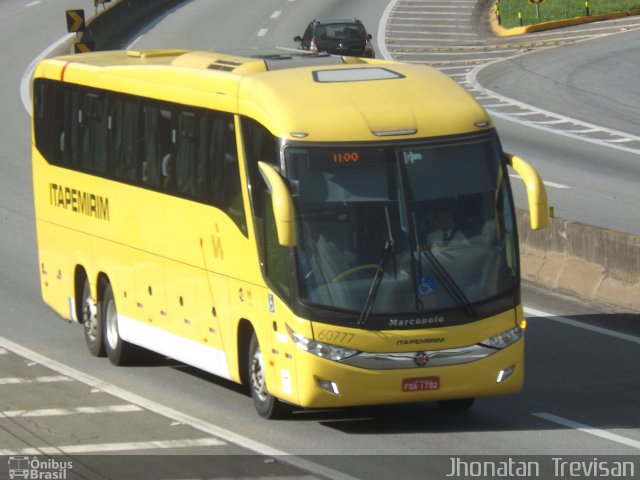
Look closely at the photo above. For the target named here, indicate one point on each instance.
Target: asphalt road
(582, 381)
(590, 86)
(592, 80)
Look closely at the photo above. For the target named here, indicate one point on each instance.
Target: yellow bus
(274, 220)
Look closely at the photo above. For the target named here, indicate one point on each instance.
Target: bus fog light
(504, 374)
(328, 385)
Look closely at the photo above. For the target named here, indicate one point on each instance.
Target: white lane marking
(382, 30)
(276, 14)
(564, 133)
(578, 134)
(584, 326)
(117, 447)
(262, 32)
(135, 40)
(59, 412)
(429, 13)
(431, 55)
(25, 81)
(32, 4)
(548, 184)
(555, 185)
(3, 351)
(588, 429)
(47, 379)
(186, 419)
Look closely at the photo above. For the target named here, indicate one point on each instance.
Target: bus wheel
(118, 351)
(457, 405)
(266, 404)
(91, 323)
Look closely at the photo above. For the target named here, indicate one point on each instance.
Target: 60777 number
(335, 336)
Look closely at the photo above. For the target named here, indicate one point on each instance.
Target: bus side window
(94, 129)
(124, 139)
(226, 185)
(182, 171)
(261, 146)
(158, 141)
(46, 119)
(73, 127)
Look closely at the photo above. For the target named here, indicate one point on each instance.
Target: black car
(337, 37)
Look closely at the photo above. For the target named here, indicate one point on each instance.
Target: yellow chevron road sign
(75, 21)
(83, 47)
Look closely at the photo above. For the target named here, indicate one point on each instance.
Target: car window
(352, 33)
(322, 32)
(308, 33)
(340, 31)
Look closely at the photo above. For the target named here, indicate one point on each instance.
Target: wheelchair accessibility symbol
(427, 285)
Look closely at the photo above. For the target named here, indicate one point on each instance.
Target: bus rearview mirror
(282, 205)
(536, 192)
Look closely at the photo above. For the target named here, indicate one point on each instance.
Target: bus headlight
(504, 339)
(324, 350)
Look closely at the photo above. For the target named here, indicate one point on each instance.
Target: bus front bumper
(321, 383)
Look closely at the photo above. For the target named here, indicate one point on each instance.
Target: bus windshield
(402, 229)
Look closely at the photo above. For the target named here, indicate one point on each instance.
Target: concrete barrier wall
(591, 262)
(112, 27)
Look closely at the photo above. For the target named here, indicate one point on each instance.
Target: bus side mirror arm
(282, 205)
(536, 192)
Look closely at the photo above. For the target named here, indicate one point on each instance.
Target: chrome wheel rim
(90, 318)
(111, 321)
(257, 376)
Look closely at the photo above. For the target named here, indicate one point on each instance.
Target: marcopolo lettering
(415, 322)
(78, 201)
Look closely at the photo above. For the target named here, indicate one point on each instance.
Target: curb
(569, 22)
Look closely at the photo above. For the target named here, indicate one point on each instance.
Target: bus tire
(266, 404)
(91, 322)
(456, 405)
(119, 352)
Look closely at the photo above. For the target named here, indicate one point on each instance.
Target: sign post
(98, 2)
(537, 2)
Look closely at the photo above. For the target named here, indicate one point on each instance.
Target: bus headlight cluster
(324, 350)
(504, 339)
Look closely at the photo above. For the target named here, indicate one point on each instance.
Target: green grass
(550, 10)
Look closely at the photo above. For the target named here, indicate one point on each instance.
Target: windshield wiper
(377, 279)
(445, 279)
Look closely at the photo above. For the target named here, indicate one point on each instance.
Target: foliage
(549, 10)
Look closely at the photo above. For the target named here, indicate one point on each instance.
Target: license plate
(420, 384)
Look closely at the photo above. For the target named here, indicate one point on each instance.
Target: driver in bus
(443, 230)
